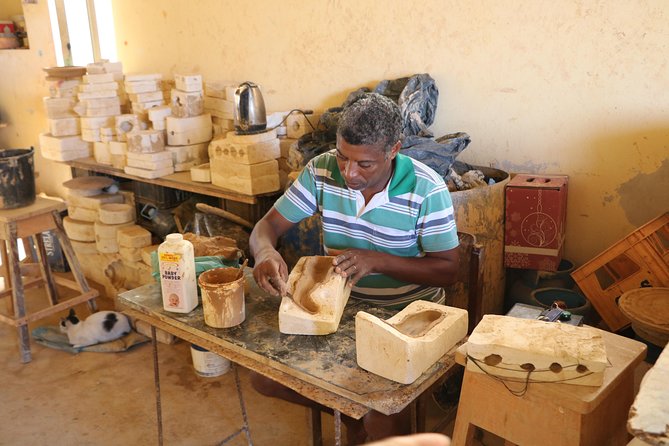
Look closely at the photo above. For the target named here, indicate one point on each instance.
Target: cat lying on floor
(103, 326)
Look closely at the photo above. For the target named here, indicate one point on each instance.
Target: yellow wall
(22, 87)
(9, 8)
(573, 87)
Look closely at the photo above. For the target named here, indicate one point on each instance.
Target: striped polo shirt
(411, 216)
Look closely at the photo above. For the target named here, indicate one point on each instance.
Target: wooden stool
(549, 413)
(28, 223)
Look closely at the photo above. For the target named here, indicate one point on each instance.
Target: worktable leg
(242, 406)
(316, 430)
(337, 427)
(156, 379)
(417, 415)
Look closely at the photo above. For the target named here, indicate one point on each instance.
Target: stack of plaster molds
(85, 198)
(131, 239)
(219, 102)
(285, 168)
(98, 104)
(144, 92)
(101, 100)
(188, 149)
(317, 298)
(403, 347)
(63, 141)
(246, 163)
(146, 156)
(527, 349)
(116, 69)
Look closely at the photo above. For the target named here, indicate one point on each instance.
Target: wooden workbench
(322, 368)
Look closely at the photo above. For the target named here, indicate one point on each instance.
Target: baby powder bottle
(177, 274)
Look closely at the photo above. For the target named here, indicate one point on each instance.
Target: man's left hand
(354, 263)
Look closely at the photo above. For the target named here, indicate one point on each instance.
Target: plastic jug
(178, 283)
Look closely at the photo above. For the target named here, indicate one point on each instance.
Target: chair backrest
(466, 292)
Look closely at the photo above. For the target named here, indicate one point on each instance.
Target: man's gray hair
(372, 119)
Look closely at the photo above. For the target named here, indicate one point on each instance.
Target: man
(387, 219)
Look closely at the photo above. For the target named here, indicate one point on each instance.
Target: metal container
(17, 178)
(250, 115)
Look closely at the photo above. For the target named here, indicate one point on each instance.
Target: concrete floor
(108, 398)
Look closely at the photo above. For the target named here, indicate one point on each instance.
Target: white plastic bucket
(208, 364)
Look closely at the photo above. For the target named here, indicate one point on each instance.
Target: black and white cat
(102, 326)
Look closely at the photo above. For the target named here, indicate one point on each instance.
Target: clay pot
(530, 280)
(576, 302)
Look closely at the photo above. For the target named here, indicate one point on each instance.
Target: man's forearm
(432, 271)
(263, 239)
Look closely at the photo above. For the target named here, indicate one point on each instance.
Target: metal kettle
(250, 115)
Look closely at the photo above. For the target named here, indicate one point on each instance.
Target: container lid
(176, 237)
(95, 183)
(648, 307)
(539, 181)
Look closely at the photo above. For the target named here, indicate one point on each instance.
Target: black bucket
(17, 178)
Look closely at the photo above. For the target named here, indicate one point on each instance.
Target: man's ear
(395, 150)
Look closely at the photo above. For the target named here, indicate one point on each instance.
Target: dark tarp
(417, 98)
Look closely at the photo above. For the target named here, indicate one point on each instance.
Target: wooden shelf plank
(179, 180)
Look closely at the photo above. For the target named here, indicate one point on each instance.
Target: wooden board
(179, 180)
(323, 368)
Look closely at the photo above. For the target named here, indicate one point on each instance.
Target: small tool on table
(557, 312)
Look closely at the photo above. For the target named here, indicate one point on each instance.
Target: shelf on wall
(179, 180)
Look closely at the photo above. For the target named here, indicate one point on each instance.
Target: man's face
(364, 167)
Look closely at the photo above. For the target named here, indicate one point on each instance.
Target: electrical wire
(526, 381)
(304, 113)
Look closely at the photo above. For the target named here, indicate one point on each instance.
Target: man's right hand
(271, 272)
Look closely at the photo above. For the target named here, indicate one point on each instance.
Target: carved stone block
(528, 349)
(403, 347)
(317, 298)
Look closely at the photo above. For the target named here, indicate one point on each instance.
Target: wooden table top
(40, 206)
(322, 368)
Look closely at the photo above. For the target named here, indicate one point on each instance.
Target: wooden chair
(28, 223)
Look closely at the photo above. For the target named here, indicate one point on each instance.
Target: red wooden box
(536, 209)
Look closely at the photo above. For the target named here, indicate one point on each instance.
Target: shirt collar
(402, 181)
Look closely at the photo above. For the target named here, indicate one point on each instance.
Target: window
(83, 31)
